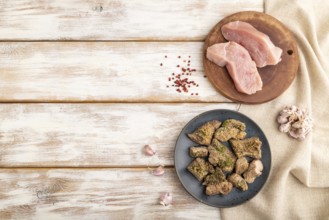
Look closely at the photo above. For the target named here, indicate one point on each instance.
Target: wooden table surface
(82, 91)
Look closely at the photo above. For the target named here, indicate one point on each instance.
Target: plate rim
(208, 112)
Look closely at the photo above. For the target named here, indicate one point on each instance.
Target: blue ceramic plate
(193, 186)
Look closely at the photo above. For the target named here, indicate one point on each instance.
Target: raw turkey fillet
(239, 64)
(259, 45)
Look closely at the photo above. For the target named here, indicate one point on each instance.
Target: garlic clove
(294, 133)
(166, 199)
(301, 138)
(292, 118)
(293, 108)
(301, 131)
(159, 171)
(285, 114)
(282, 119)
(297, 124)
(149, 151)
(285, 127)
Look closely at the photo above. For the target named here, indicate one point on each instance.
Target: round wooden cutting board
(276, 79)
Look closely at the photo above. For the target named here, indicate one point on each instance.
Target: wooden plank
(97, 135)
(102, 71)
(95, 194)
(115, 19)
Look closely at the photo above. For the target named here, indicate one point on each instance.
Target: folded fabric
(298, 186)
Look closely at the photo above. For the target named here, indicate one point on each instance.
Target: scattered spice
(166, 199)
(161, 64)
(180, 78)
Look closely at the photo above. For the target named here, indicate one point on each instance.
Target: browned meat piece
(203, 134)
(238, 181)
(241, 165)
(250, 147)
(220, 155)
(255, 170)
(200, 168)
(217, 177)
(235, 124)
(231, 128)
(200, 151)
(219, 188)
(211, 168)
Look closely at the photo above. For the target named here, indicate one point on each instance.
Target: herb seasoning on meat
(214, 160)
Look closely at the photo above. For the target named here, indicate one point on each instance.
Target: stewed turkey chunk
(222, 157)
(223, 188)
(217, 176)
(238, 181)
(204, 133)
(231, 128)
(200, 168)
(250, 147)
(255, 170)
(241, 165)
(200, 151)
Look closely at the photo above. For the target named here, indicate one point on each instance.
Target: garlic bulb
(166, 199)
(295, 121)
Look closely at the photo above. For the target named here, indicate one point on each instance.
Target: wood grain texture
(98, 135)
(114, 19)
(109, 176)
(95, 194)
(101, 71)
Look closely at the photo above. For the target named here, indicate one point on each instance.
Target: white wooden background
(82, 91)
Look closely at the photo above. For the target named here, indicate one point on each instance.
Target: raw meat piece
(259, 45)
(239, 64)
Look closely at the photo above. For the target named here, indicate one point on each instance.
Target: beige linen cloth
(298, 185)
